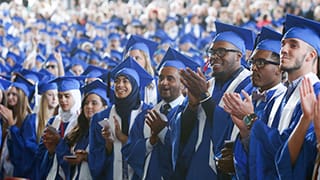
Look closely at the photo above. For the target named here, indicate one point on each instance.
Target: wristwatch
(249, 119)
(204, 95)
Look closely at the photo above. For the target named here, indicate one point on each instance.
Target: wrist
(249, 119)
(204, 96)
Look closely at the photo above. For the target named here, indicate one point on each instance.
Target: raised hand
(307, 98)
(155, 122)
(120, 136)
(234, 105)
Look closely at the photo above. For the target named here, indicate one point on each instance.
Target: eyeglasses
(261, 62)
(220, 52)
(50, 66)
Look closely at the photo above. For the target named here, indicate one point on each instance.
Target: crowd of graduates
(164, 90)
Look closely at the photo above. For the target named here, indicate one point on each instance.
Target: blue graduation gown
(22, 145)
(263, 110)
(266, 141)
(100, 162)
(197, 153)
(159, 166)
(303, 167)
(46, 159)
(63, 149)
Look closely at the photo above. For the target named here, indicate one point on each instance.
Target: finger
(116, 123)
(246, 95)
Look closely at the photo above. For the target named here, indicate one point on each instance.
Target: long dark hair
(82, 128)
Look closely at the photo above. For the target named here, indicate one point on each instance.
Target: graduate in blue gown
(20, 145)
(297, 153)
(106, 139)
(49, 157)
(204, 124)
(264, 62)
(76, 143)
(148, 149)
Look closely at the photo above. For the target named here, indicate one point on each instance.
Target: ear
(312, 56)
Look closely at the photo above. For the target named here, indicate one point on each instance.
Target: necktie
(256, 96)
(165, 108)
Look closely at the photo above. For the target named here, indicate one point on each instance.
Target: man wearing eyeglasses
(204, 124)
(264, 101)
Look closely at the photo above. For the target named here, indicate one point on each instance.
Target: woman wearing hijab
(110, 128)
(75, 146)
(51, 161)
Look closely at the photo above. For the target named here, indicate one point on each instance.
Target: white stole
(117, 145)
(287, 111)
(84, 173)
(202, 115)
(56, 124)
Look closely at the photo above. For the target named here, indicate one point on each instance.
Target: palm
(308, 99)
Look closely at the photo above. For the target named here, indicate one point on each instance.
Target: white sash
(5, 162)
(280, 92)
(84, 173)
(117, 145)
(287, 111)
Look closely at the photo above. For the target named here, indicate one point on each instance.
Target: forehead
(168, 71)
(121, 77)
(221, 44)
(261, 54)
(64, 93)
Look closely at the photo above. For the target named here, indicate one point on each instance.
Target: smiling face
(169, 85)
(224, 66)
(66, 100)
(122, 86)
(92, 105)
(12, 96)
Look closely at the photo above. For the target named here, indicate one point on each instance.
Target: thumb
(246, 95)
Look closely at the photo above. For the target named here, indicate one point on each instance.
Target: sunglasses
(220, 52)
(261, 62)
(50, 66)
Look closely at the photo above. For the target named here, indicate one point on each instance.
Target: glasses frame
(262, 61)
(220, 52)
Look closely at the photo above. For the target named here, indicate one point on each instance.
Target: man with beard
(204, 124)
(299, 57)
(266, 77)
(149, 146)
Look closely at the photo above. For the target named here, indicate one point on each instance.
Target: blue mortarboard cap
(15, 57)
(12, 39)
(110, 62)
(136, 22)
(18, 19)
(66, 83)
(117, 55)
(76, 61)
(138, 42)
(114, 36)
(126, 71)
(4, 84)
(95, 56)
(269, 40)
(242, 38)
(40, 58)
(46, 86)
(93, 71)
(173, 55)
(51, 58)
(304, 29)
(96, 87)
(144, 76)
(187, 38)
(4, 68)
(31, 75)
(47, 76)
(22, 83)
(79, 53)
